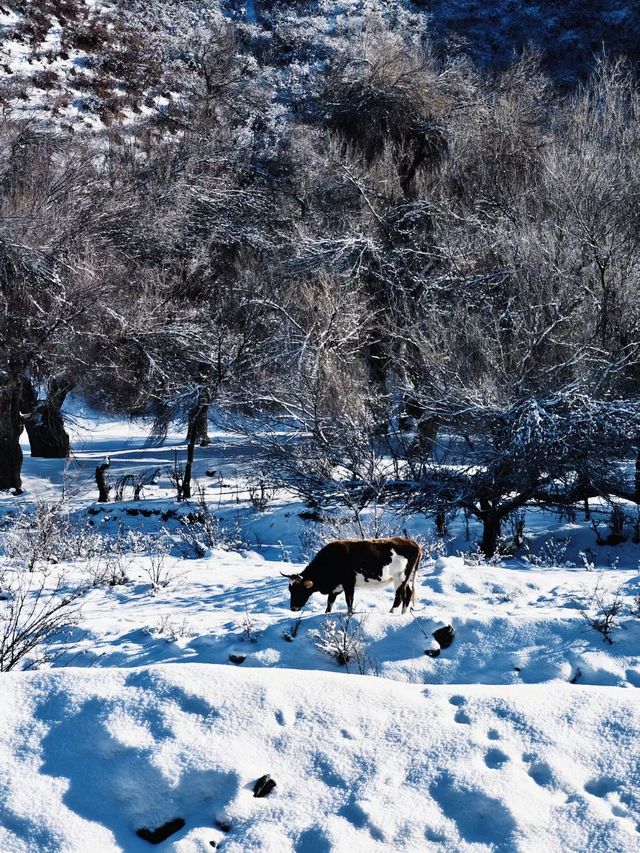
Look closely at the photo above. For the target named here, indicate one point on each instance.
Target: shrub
(342, 638)
(602, 611)
(31, 614)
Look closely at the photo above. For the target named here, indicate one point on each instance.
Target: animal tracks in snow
(541, 774)
(606, 789)
(461, 715)
(495, 758)
(601, 787)
(539, 771)
(479, 818)
(498, 758)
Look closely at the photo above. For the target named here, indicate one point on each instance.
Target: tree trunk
(101, 481)
(198, 430)
(426, 426)
(637, 480)
(199, 423)
(47, 436)
(10, 430)
(491, 527)
(192, 437)
(44, 422)
(426, 433)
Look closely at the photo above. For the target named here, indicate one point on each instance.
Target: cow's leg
(349, 590)
(412, 575)
(399, 599)
(330, 600)
(408, 592)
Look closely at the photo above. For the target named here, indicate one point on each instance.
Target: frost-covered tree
(47, 206)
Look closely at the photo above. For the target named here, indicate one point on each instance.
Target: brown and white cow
(345, 564)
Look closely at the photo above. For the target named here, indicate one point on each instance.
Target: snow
(63, 97)
(360, 763)
(522, 735)
(512, 626)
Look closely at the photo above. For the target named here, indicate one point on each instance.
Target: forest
(409, 279)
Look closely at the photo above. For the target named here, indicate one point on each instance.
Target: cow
(345, 564)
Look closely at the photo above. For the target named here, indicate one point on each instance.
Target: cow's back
(362, 554)
(373, 550)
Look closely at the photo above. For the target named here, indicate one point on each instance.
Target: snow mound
(87, 757)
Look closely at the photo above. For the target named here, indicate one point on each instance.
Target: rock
(432, 653)
(444, 636)
(237, 659)
(156, 836)
(223, 825)
(263, 786)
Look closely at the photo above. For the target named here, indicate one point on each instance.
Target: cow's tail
(415, 575)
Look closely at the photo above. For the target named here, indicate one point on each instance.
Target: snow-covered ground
(360, 764)
(169, 700)
(513, 626)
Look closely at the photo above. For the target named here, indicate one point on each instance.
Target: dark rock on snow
(156, 836)
(444, 636)
(263, 786)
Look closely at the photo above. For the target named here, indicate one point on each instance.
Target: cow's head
(300, 589)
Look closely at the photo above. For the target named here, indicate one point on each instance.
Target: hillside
(89, 65)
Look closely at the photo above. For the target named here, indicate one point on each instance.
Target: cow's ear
(308, 584)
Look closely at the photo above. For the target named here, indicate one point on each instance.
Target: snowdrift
(89, 756)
